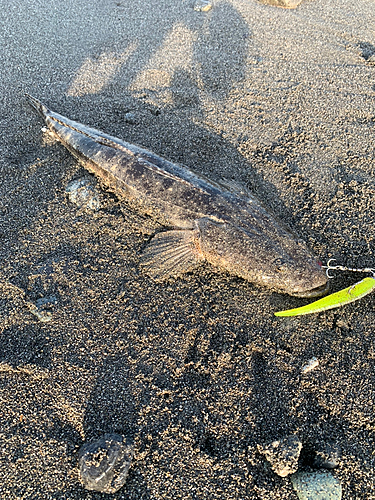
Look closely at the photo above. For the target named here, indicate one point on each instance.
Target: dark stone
(327, 456)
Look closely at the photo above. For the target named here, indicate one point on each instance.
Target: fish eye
(281, 265)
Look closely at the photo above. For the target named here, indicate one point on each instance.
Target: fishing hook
(329, 267)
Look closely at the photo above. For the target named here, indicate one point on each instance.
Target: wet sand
(197, 370)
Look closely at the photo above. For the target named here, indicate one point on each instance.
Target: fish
(218, 222)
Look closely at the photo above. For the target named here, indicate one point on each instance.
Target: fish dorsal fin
(171, 253)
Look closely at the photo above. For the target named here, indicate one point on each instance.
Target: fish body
(219, 223)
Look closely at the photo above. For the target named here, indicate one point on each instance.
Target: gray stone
(327, 456)
(82, 192)
(316, 486)
(283, 455)
(130, 118)
(104, 464)
(202, 5)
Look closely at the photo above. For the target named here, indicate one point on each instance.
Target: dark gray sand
(197, 370)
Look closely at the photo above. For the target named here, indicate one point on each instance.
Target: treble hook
(329, 267)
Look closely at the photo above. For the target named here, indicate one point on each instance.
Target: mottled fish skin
(213, 222)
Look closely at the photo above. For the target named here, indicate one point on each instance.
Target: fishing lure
(338, 299)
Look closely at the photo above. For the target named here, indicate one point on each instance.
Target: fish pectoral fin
(171, 253)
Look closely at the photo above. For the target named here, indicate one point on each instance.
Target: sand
(197, 370)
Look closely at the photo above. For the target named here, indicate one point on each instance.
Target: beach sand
(196, 370)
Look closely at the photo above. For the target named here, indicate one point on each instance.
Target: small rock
(310, 365)
(42, 308)
(82, 192)
(327, 456)
(316, 486)
(130, 118)
(104, 463)
(286, 4)
(283, 455)
(202, 6)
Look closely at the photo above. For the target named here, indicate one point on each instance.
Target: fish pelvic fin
(171, 253)
(37, 105)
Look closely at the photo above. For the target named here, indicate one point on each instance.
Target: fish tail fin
(37, 105)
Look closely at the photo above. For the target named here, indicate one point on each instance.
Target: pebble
(34, 371)
(202, 6)
(130, 118)
(327, 456)
(82, 192)
(283, 455)
(310, 365)
(104, 464)
(316, 486)
(41, 309)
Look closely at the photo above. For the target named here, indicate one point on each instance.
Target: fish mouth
(315, 292)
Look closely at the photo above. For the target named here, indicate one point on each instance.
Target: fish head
(271, 258)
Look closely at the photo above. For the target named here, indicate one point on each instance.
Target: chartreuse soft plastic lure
(338, 299)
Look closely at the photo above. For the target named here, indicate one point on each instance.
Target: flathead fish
(220, 223)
